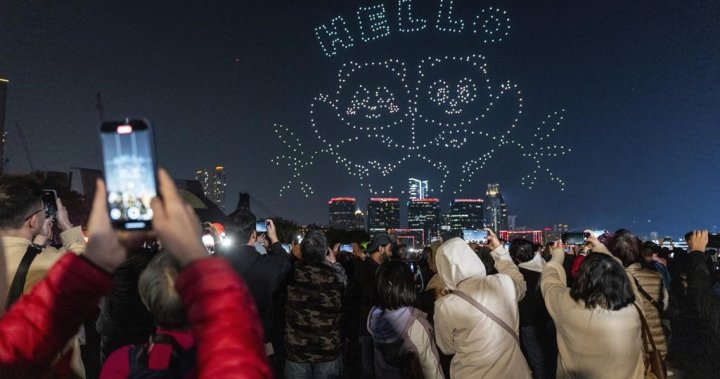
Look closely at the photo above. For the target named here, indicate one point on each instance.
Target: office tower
(213, 183)
(3, 133)
(359, 220)
(424, 214)
(418, 188)
(383, 214)
(465, 214)
(342, 213)
(496, 216)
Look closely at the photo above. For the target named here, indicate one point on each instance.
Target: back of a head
(157, 291)
(395, 285)
(19, 196)
(240, 226)
(649, 249)
(314, 247)
(602, 282)
(626, 246)
(522, 250)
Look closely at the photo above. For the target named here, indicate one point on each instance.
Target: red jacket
(221, 311)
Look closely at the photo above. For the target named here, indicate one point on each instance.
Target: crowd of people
(166, 307)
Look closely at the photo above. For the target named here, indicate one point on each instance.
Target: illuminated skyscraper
(418, 188)
(213, 183)
(465, 214)
(342, 213)
(497, 216)
(424, 214)
(3, 98)
(383, 214)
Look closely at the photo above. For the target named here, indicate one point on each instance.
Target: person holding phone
(34, 330)
(26, 229)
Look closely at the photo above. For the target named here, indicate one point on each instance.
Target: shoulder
(117, 365)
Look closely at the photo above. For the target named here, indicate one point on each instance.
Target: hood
(387, 326)
(456, 262)
(536, 264)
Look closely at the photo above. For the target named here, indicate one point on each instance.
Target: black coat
(263, 274)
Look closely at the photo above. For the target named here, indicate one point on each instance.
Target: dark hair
(18, 197)
(649, 248)
(626, 246)
(522, 250)
(602, 281)
(395, 285)
(488, 261)
(314, 247)
(241, 226)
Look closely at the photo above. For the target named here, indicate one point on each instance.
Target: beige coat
(592, 343)
(651, 282)
(482, 348)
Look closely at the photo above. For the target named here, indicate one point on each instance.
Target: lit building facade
(342, 213)
(213, 183)
(418, 189)
(3, 133)
(536, 236)
(424, 214)
(383, 214)
(496, 210)
(465, 214)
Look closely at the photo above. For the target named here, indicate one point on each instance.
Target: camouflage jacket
(314, 306)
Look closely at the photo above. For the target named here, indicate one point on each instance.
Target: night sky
(636, 82)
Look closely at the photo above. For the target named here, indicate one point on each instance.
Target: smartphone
(130, 172)
(713, 240)
(346, 247)
(477, 236)
(287, 247)
(261, 227)
(573, 238)
(49, 199)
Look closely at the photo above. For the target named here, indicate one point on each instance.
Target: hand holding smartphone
(49, 199)
(130, 172)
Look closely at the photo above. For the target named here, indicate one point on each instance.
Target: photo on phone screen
(130, 172)
(49, 199)
(346, 248)
(574, 238)
(261, 227)
(476, 236)
(287, 247)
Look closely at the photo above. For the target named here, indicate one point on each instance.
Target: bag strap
(647, 295)
(646, 335)
(18, 283)
(488, 313)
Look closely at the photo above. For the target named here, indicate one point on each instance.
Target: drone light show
(444, 116)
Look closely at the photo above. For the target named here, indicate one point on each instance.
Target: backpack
(183, 362)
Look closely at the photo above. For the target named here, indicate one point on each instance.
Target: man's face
(385, 252)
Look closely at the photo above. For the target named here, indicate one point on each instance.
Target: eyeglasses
(34, 213)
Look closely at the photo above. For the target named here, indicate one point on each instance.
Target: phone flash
(124, 129)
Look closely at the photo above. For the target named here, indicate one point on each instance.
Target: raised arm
(505, 265)
(553, 282)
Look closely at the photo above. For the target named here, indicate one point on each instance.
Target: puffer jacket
(220, 308)
(651, 282)
(482, 348)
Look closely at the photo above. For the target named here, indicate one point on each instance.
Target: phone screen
(477, 236)
(261, 227)
(49, 199)
(573, 238)
(346, 247)
(130, 172)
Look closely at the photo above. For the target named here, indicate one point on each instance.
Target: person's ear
(33, 221)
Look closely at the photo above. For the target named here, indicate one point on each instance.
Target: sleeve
(224, 321)
(575, 268)
(428, 356)
(117, 366)
(443, 328)
(73, 240)
(699, 283)
(552, 285)
(39, 325)
(505, 265)
(665, 296)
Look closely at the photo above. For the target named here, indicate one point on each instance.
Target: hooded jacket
(482, 348)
